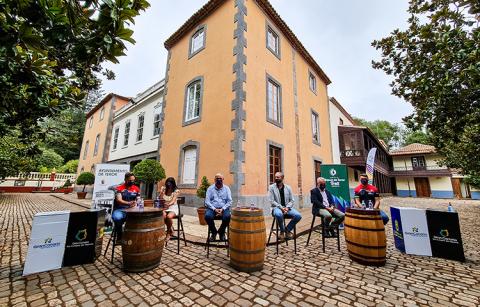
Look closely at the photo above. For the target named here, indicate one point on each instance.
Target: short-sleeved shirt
(366, 193)
(128, 193)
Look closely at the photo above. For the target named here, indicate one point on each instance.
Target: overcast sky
(337, 33)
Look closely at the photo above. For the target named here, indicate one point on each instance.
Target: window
(418, 162)
(318, 172)
(97, 141)
(126, 134)
(315, 128)
(273, 41)
(85, 151)
(189, 165)
(197, 41)
(82, 169)
(274, 162)
(313, 82)
(274, 107)
(193, 101)
(340, 122)
(90, 124)
(141, 120)
(115, 137)
(102, 113)
(156, 124)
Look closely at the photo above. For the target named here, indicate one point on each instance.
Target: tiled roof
(103, 101)
(212, 5)
(415, 148)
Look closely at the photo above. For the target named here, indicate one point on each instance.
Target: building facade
(418, 174)
(246, 112)
(97, 135)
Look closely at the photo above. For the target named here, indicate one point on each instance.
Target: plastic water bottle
(363, 204)
(252, 206)
(156, 202)
(370, 205)
(140, 204)
(450, 208)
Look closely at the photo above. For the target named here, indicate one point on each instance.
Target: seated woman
(169, 194)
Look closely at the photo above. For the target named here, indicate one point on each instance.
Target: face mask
(277, 181)
(364, 181)
(218, 181)
(322, 187)
(130, 183)
(168, 184)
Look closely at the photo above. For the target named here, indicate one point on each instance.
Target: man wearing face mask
(324, 206)
(281, 198)
(366, 193)
(125, 197)
(218, 201)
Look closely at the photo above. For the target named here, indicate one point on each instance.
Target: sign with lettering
(445, 236)
(336, 176)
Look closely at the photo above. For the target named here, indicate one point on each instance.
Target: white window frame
(85, 151)
(156, 121)
(116, 132)
(315, 127)
(97, 144)
(90, 124)
(312, 82)
(274, 101)
(192, 112)
(197, 41)
(126, 133)
(270, 32)
(140, 125)
(102, 113)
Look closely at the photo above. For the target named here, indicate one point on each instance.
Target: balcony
(420, 171)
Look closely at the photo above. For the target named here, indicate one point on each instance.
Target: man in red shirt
(126, 195)
(366, 193)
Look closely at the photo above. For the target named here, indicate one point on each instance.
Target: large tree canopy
(51, 52)
(435, 65)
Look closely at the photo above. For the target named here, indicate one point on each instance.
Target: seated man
(281, 198)
(218, 200)
(324, 206)
(366, 193)
(125, 197)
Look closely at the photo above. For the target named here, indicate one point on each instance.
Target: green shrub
(149, 171)
(202, 190)
(69, 168)
(49, 159)
(85, 178)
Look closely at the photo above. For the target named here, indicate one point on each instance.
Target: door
(457, 188)
(422, 186)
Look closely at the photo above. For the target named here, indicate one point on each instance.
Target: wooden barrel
(143, 239)
(247, 239)
(365, 236)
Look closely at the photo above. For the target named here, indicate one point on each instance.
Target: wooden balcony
(422, 171)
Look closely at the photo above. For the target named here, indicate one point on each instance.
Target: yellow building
(98, 130)
(418, 174)
(243, 97)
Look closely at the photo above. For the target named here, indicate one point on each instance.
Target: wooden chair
(276, 227)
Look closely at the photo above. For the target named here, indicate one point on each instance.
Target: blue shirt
(218, 198)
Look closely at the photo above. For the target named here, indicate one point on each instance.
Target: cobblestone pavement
(308, 278)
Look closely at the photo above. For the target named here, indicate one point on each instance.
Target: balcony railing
(419, 168)
(352, 153)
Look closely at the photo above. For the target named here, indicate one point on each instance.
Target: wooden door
(457, 188)
(422, 186)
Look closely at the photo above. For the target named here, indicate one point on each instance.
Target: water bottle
(363, 204)
(450, 208)
(137, 201)
(252, 206)
(156, 202)
(370, 205)
(352, 204)
(238, 204)
(140, 204)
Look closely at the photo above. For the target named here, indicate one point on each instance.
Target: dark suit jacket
(317, 200)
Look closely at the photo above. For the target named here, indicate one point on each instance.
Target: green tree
(85, 178)
(52, 52)
(15, 156)
(202, 189)
(149, 171)
(384, 130)
(435, 67)
(410, 136)
(69, 168)
(49, 159)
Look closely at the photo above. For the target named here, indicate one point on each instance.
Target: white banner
(107, 177)
(415, 231)
(370, 167)
(47, 242)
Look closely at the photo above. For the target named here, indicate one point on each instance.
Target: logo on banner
(444, 237)
(397, 233)
(415, 233)
(47, 244)
(81, 235)
(333, 172)
(444, 233)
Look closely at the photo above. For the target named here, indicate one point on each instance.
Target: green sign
(336, 176)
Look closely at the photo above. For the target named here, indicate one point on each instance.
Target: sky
(337, 33)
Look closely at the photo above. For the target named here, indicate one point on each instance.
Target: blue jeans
(294, 214)
(118, 217)
(209, 218)
(385, 217)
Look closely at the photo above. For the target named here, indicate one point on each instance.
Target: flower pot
(201, 215)
(81, 195)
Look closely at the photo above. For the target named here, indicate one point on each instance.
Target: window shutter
(189, 165)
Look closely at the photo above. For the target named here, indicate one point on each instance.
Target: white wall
(148, 106)
(335, 116)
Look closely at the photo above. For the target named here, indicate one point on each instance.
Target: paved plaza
(310, 278)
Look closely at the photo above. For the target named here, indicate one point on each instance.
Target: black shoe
(213, 237)
(222, 237)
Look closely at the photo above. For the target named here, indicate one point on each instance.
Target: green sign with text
(336, 176)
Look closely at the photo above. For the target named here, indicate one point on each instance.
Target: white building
(136, 128)
(338, 117)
